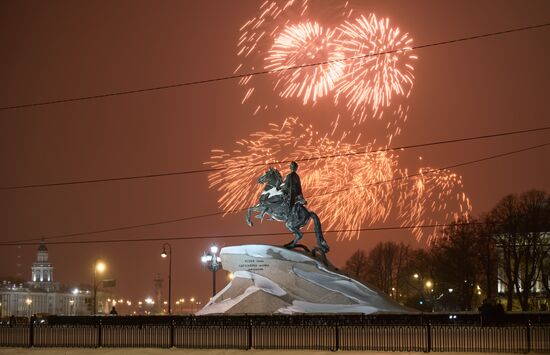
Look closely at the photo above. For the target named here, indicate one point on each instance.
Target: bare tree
(457, 259)
(521, 225)
(534, 212)
(487, 255)
(387, 263)
(356, 265)
(390, 266)
(506, 225)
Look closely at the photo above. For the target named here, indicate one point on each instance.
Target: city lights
(429, 284)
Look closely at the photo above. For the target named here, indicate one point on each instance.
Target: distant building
(42, 295)
(540, 297)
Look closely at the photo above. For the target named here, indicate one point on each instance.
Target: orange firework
(256, 35)
(299, 45)
(382, 68)
(347, 191)
(430, 196)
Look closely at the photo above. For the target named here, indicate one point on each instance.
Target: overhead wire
(307, 159)
(239, 235)
(264, 72)
(43, 103)
(431, 171)
(470, 162)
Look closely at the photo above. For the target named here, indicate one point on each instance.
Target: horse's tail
(319, 232)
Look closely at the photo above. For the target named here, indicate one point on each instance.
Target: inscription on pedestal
(254, 264)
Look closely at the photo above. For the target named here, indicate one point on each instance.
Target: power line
(431, 171)
(470, 162)
(195, 171)
(264, 72)
(245, 235)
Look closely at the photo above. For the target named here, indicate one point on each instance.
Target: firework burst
(348, 191)
(430, 196)
(381, 68)
(300, 45)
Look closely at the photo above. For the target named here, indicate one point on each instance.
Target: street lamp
(28, 301)
(169, 255)
(213, 262)
(99, 267)
(71, 311)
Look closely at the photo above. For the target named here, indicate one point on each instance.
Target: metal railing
(340, 332)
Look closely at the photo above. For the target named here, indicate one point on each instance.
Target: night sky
(54, 50)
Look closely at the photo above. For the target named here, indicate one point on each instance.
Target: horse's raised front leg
(249, 212)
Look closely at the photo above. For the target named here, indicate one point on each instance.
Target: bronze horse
(275, 203)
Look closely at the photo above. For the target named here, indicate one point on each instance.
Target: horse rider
(293, 187)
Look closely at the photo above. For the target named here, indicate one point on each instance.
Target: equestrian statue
(284, 202)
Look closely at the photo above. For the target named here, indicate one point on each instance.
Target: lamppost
(74, 302)
(149, 301)
(213, 262)
(99, 267)
(169, 255)
(28, 301)
(71, 308)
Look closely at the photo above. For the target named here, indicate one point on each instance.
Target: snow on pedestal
(269, 279)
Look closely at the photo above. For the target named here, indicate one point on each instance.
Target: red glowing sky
(64, 49)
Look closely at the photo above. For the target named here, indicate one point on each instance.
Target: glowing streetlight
(71, 306)
(213, 262)
(28, 301)
(100, 268)
(164, 255)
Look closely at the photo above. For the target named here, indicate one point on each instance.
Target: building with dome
(43, 295)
